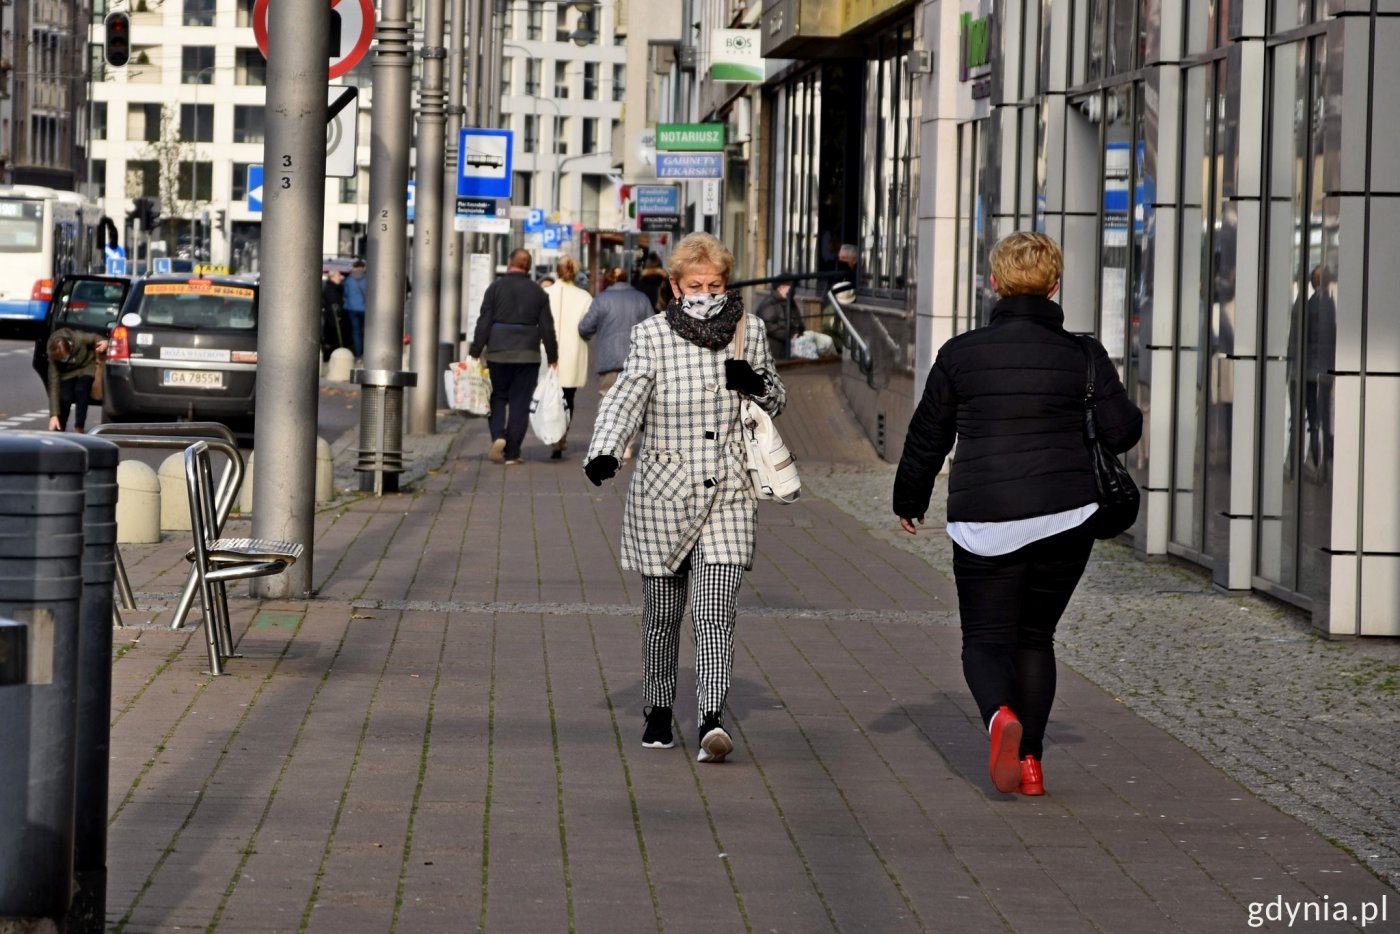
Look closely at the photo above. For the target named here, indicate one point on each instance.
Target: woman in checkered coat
(691, 510)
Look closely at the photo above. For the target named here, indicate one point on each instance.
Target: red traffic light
(117, 45)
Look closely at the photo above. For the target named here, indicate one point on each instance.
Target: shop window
(885, 253)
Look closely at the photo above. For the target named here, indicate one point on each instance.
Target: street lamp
(536, 99)
(194, 168)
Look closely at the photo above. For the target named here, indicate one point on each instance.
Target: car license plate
(203, 379)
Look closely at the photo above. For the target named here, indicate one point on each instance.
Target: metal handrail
(860, 349)
(178, 436)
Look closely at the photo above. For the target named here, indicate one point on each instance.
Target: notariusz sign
(690, 137)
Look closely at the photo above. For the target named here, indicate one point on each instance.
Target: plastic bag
(549, 418)
(812, 345)
(468, 387)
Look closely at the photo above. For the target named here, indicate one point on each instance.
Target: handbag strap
(1085, 346)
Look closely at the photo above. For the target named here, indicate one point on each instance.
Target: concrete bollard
(174, 495)
(325, 472)
(245, 493)
(340, 364)
(138, 504)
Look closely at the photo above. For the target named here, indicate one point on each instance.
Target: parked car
(184, 346)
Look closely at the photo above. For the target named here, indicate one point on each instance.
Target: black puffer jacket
(1012, 395)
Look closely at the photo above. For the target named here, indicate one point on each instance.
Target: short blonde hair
(567, 268)
(698, 248)
(1026, 263)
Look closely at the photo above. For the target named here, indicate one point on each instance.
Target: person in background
(568, 304)
(651, 279)
(691, 515)
(73, 357)
(611, 317)
(780, 317)
(845, 265)
(1021, 491)
(355, 291)
(334, 326)
(546, 282)
(514, 319)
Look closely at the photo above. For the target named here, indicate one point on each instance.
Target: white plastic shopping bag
(468, 387)
(549, 418)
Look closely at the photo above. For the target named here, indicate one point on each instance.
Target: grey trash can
(41, 555)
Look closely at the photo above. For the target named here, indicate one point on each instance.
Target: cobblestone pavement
(1309, 725)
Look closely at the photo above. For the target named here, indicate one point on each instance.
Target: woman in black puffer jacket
(1021, 491)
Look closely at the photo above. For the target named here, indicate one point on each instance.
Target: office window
(562, 29)
(590, 135)
(245, 13)
(249, 68)
(197, 64)
(619, 88)
(532, 77)
(561, 141)
(143, 122)
(239, 188)
(197, 122)
(204, 187)
(561, 79)
(99, 177)
(349, 189)
(532, 134)
(99, 119)
(143, 179)
(199, 13)
(507, 72)
(534, 22)
(590, 81)
(248, 124)
(524, 188)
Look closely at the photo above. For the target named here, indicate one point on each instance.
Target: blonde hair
(1026, 263)
(701, 248)
(566, 268)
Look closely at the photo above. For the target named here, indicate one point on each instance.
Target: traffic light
(117, 44)
(147, 213)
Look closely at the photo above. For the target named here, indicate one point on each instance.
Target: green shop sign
(976, 44)
(690, 137)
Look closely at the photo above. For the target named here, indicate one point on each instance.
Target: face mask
(703, 307)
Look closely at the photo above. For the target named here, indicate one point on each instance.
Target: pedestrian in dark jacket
(1020, 494)
(515, 318)
(611, 317)
(780, 318)
(335, 326)
(73, 357)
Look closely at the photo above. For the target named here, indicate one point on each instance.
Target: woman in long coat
(691, 510)
(569, 304)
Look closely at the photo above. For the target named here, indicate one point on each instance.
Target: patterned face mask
(704, 306)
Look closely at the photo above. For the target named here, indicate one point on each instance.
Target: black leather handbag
(1118, 497)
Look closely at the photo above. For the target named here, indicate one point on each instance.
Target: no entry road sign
(352, 30)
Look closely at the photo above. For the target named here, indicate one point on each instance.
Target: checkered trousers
(690, 486)
(714, 593)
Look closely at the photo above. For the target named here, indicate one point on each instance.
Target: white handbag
(771, 466)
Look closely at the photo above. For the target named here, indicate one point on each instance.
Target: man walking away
(355, 289)
(515, 318)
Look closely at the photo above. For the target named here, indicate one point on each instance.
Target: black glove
(740, 377)
(600, 468)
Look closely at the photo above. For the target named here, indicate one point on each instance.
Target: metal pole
(289, 351)
(427, 227)
(381, 399)
(450, 317)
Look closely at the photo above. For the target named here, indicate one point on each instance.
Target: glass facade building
(1219, 175)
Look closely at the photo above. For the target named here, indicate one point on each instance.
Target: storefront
(1226, 200)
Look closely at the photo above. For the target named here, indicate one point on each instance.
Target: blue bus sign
(484, 163)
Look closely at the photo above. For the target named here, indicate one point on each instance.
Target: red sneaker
(1032, 779)
(1005, 763)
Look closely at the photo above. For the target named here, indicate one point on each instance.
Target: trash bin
(41, 583)
(94, 731)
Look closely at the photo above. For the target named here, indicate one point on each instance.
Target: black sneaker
(657, 735)
(715, 743)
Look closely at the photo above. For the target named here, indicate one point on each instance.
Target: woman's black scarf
(712, 334)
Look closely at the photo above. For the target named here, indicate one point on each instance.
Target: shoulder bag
(771, 467)
(1118, 495)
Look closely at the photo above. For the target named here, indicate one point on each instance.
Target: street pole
(381, 396)
(450, 316)
(427, 227)
(289, 351)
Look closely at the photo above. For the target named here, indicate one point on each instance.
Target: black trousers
(512, 385)
(74, 395)
(1010, 605)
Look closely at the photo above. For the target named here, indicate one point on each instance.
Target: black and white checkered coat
(690, 484)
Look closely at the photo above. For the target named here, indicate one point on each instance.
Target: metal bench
(219, 560)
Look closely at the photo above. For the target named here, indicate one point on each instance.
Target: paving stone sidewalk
(447, 738)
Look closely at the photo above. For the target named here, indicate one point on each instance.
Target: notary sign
(690, 137)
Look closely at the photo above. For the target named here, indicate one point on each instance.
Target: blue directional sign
(690, 165)
(255, 187)
(484, 163)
